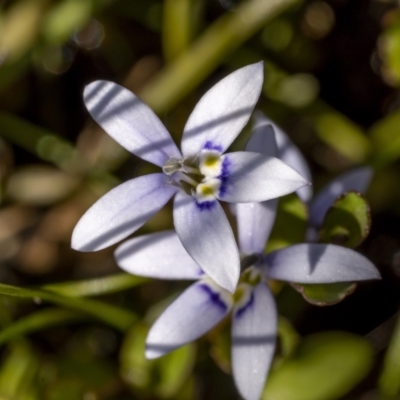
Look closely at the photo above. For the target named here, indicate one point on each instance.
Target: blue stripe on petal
(214, 297)
(206, 205)
(246, 306)
(224, 177)
(209, 145)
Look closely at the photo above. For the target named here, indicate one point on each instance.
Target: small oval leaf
(326, 366)
(325, 295)
(347, 222)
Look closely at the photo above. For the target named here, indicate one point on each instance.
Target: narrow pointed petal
(357, 180)
(121, 212)
(207, 236)
(319, 263)
(254, 327)
(288, 152)
(253, 177)
(192, 314)
(158, 255)
(255, 222)
(130, 122)
(223, 111)
(263, 140)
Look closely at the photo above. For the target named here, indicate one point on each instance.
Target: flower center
(203, 176)
(252, 276)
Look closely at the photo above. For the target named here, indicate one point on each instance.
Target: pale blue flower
(254, 316)
(199, 176)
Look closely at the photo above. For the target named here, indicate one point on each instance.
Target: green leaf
(64, 19)
(18, 373)
(291, 213)
(174, 369)
(97, 286)
(343, 135)
(221, 345)
(326, 366)
(347, 222)
(164, 376)
(325, 295)
(389, 44)
(389, 380)
(39, 320)
(224, 36)
(289, 338)
(178, 24)
(385, 137)
(135, 369)
(115, 316)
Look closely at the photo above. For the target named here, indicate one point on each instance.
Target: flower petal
(130, 122)
(158, 255)
(253, 177)
(223, 111)
(255, 222)
(357, 180)
(192, 314)
(207, 236)
(319, 263)
(287, 152)
(121, 211)
(263, 140)
(254, 328)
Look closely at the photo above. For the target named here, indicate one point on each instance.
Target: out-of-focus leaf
(290, 224)
(220, 348)
(347, 222)
(96, 286)
(20, 28)
(389, 46)
(38, 321)
(174, 369)
(289, 338)
(177, 27)
(65, 18)
(164, 376)
(18, 373)
(41, 142)
(40, 185)
(66, 389)
(326, 366)
(80, 378)
(117, 317)
(343, 135)
(228, 33)
(385, 138)
(325, 295)
(297, 90)
(134, 368)
(389, 380)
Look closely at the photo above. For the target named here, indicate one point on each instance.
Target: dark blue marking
(224, 177)
(211, 146)
(206, 205)
(240, 311)
(215, 298)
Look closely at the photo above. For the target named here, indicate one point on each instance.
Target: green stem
(96, 286)
(39, 320)
(117, 317)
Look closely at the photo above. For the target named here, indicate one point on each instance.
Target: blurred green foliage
(325, 366)
(54, 165)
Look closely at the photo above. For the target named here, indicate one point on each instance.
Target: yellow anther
(211, 160)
